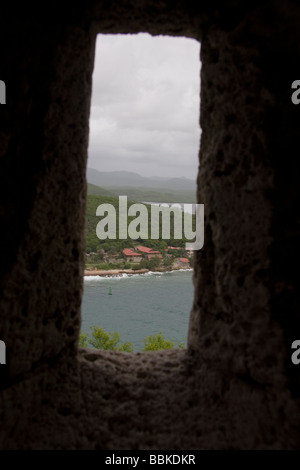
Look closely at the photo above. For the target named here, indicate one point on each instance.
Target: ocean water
(140, 305)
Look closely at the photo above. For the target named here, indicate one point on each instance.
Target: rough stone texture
(235, 386)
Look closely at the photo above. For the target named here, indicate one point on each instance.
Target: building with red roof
(144, 249)
(132, 255)
(149, 253)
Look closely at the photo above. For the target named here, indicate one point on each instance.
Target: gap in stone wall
(144, 127)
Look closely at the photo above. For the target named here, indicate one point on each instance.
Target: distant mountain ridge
(145, 194)
(113, 179)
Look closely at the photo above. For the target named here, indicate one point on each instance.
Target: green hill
(94, 244)
(144, 194)
(112, 179)
(155, 195)
(93, 189)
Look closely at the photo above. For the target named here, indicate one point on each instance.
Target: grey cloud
(145, 105)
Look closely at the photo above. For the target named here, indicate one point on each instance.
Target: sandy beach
(114, 272)
(117, 272)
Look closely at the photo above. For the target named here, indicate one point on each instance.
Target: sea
(139, 305)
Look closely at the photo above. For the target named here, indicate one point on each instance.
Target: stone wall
(235, 386)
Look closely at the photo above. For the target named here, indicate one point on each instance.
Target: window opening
(144, 144)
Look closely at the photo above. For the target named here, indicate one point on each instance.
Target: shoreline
(117, 272)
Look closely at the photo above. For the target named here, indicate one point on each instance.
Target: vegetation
(167, 262)
(158, 342)
(145, 194)
(156, 195)
(113, 247)
(93, 189)
(149, 263)
(103, 340)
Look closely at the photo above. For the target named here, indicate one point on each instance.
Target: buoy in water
(109, 291)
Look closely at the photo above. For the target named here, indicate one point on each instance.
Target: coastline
(117, 272)
(113, 272)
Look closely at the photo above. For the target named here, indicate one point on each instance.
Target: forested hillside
(94, 244)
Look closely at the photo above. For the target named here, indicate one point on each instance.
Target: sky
(145, 105)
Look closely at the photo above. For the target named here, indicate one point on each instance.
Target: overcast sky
(145, 105)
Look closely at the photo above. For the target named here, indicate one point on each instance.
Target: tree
(83, 340)
(158, 342)
(108, 341)
(112, 341)
(153, 263)
(168, 262)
